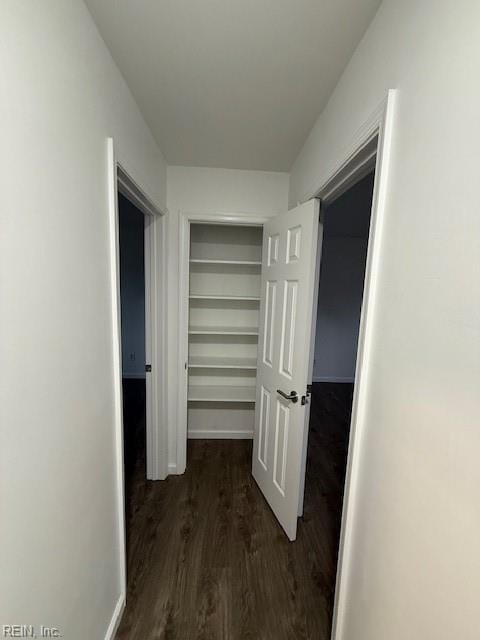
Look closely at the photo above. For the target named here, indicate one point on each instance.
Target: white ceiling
(232, 83)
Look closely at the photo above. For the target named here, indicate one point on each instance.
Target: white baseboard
(116, 617)
(332, 379)
(220, 435)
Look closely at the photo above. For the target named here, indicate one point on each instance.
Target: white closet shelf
(225, 393)
(248, 263)
(224, 331)
(198, 296)
(202, 362)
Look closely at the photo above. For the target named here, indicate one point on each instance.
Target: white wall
(209, 191)
(132, 286)
(344, 251)
(416, 567)
(61, 96)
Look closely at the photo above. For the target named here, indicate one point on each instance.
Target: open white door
(286, 306)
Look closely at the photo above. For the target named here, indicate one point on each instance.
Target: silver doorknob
(293, 396)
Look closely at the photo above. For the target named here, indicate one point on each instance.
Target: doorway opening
(224, 298)
(132, 305)
(346, 226)
(220, 261)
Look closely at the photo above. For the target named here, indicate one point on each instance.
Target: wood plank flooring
(207, 559)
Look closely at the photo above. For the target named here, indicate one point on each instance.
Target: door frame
(186, 218)
(119, 180)
(369, 148)
(155, 324)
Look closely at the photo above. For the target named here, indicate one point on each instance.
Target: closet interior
(224, 299)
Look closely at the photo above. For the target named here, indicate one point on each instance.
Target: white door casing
(286, 306)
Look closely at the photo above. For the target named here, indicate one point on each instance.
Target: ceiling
(232, 83)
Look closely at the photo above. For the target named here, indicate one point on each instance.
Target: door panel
(264, 427)
(280, 455)
(288, 328)
(286, 306)
(270, 299)
(273, 249)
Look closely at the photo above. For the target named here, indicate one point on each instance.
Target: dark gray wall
(345, 240)
(132, 288)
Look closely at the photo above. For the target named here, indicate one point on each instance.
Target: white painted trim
(353, 170)
(135, 194)
(117, 360)
(172, 468)
(380, 124)
(220, 435)
(116, 618)
(224, 217)
(332, 177)
(155, 346)
(155, 323)
(332, 379)
(185, 219)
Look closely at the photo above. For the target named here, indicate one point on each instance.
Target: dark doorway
(340, 296)
(132, 300)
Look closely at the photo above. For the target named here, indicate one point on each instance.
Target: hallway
(207, 558)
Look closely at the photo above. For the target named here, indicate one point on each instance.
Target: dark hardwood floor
(208, 561)
(134, 429)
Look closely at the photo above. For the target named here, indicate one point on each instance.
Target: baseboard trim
(220, 435)
(332, 379)
(116, 617)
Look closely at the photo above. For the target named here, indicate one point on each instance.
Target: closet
(223, 314)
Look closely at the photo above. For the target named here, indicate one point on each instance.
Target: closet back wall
(224, 298)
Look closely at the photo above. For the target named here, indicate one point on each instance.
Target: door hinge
(148, 367)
